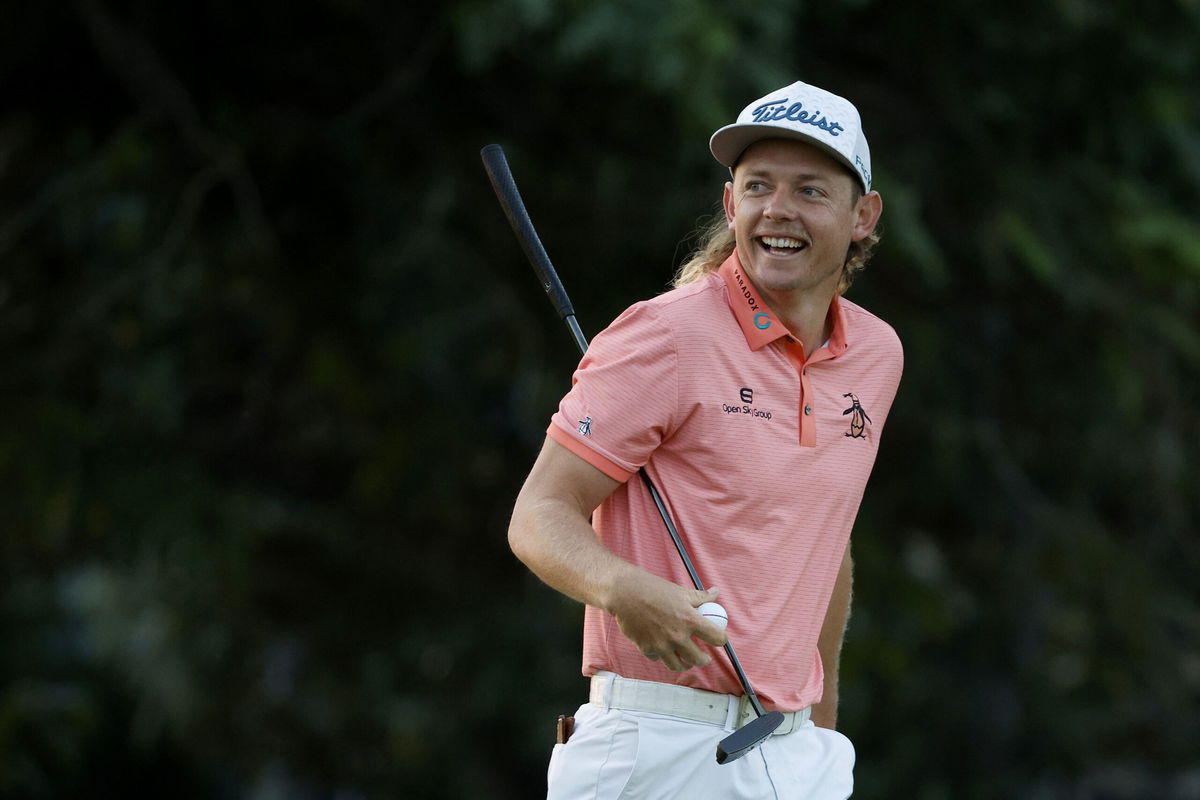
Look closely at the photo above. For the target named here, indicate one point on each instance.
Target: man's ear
(869, 210)
(727, 200)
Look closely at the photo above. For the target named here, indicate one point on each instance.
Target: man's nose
(780, 205)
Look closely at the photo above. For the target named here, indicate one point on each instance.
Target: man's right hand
(661, 619)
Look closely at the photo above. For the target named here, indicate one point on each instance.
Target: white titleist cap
(803, 112)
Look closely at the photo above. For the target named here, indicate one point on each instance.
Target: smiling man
(754, 395)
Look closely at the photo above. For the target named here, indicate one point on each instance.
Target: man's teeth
(775, 241)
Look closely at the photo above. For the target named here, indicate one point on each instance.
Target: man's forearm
(550, 533)
(829, 644)
(560, 547)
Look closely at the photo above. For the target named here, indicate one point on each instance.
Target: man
(754, 396)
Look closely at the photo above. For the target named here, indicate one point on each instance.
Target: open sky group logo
(747, 407)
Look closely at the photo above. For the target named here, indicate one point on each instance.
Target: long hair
(717, 242)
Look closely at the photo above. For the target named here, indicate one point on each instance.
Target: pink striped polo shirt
(761, 458)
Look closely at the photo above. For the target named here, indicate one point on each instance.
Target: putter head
(748, 737)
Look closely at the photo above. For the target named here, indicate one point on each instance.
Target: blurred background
(273, 368)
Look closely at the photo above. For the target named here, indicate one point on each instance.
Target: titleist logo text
(775, 110)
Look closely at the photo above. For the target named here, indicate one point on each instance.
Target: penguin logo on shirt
(585, 427)
(859, 420)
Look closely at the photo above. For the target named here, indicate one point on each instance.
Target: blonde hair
(717, 242)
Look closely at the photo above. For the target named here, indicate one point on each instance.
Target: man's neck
(805, 315)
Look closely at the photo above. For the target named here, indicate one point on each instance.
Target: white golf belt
(610, 690)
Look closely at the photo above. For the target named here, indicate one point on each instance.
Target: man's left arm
(833, 632)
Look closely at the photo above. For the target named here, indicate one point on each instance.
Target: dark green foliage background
(273, 369)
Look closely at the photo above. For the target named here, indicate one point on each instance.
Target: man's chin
(785, 278)
(777, 280)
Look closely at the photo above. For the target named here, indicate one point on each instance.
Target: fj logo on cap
(775, 110)
(858, 419)
(866, 173)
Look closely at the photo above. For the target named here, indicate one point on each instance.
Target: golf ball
(715, 613)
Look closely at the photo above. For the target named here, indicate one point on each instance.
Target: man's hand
(660, 618)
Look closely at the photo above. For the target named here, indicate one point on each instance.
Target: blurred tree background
(274, 368)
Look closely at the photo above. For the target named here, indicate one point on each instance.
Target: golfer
(754, 395)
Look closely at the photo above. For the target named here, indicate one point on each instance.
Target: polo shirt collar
(758, 322)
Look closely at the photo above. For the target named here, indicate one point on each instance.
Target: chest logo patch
(747, 406)
(858, 419)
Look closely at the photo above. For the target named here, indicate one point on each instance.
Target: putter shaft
(748, 736)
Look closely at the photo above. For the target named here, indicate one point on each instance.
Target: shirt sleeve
(623, 400)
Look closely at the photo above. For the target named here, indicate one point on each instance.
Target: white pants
(634, 755)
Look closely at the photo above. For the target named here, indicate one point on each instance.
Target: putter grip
(514, 208)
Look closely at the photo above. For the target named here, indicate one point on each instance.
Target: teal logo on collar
(762, 321)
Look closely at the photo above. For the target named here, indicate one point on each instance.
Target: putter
(755, 732)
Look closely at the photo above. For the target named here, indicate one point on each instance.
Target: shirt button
(807, 410)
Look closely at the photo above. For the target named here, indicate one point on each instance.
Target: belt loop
(733, 710)
(606, 688)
